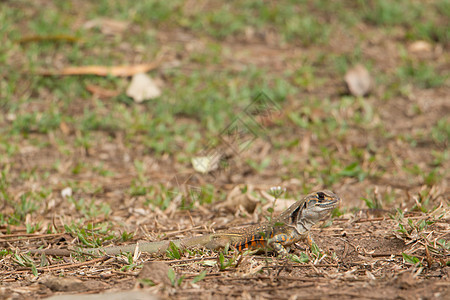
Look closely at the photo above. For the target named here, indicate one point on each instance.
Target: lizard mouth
(325, 200)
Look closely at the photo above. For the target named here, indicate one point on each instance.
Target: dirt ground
(362, 260)
(397, 250)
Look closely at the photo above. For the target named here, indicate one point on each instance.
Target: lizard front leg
(280, 240)
(308, 240)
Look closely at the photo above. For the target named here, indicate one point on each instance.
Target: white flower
(277, 191)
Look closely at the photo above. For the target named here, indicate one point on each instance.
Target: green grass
(421, 74)
(387, 13)
(440, 132)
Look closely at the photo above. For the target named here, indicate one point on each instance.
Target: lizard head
(315, 207)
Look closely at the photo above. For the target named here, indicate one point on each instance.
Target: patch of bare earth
(367, 264)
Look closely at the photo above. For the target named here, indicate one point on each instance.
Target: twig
(371, 220)
(304, 266)
(383, 254)
(169, 234)
(189, 260)
(294, 278)
(353, 295)
(282, 268)
(28, 237)
(58, 267)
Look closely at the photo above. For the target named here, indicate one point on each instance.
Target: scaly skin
(290, 227)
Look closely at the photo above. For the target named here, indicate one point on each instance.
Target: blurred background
(127, 105)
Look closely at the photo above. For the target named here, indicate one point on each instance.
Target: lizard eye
(321, 196)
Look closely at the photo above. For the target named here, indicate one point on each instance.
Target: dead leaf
(63, 284)
(280, 204)
(405, 280)
(51, 38)
(107, 26)
(236, 198)
(101, 92)
(143, 87)
(66, 192)
(119, 295)
(64, 128)
(205, 164)
(155, 271)
(118, 71)
(11, 117)
(358, 80)
(420, 47)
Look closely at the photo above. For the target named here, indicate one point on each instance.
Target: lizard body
(289, 227)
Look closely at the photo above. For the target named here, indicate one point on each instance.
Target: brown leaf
(101, 92)
(116, 295)
(280, 204)
(420, 47)
(405, 280)
(118, 71)
(63, 284)
(64, 128)
(46, 38)
(236, 199)
(358, 81)
(156, 271)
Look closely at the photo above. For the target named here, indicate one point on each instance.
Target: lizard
(289, 227)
